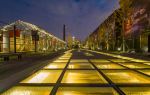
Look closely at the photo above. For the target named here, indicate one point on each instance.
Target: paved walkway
(18, 69)
(82, 72)
(144, 56)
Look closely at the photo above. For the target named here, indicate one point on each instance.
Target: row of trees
(111, 34)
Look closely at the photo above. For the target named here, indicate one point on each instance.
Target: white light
(118, 48)
(39, 77)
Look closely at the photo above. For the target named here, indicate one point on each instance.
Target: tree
(69, 41)
(126, 8)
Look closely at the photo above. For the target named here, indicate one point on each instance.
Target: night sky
(80, 16)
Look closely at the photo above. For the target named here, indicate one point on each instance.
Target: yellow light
(121, 57)
(38, 78)
(82, 76)
(79, 60)
(52, 66)
(71, 66)
(99, 60)
(43, 76)
(61, 60)
(80, 65)
(119, 60)
(145, 71)
(86, 91)
(108, 66)
(136, 90)
(126, 76)
(27, 90)
(55, 65)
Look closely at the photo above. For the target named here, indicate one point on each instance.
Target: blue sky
(80, 16)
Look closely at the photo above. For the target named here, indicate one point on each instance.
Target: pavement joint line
(133, 85)
(120, 56)
(23, 77)
(84, 85)
(131, 69)
(58, 83)
(114, 69)
(127, 68)
(35, 84)
(16, 81)
(16, 65)
(122, 65)
(80, 69)
(51, 69)
(120, 92)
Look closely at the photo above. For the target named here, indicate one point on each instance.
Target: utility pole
(64, 32)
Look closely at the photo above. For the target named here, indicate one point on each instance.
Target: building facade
(25, 37)
(124, 31)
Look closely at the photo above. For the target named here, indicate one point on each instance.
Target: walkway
(87, 73)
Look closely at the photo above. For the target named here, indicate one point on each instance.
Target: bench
(6, 56)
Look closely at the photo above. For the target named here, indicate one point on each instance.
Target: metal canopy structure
(28, 37)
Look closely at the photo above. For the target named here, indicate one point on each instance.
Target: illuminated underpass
(81, 73)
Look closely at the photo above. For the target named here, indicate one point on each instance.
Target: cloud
(80, 16)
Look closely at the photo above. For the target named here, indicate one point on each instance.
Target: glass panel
(108, 66)
(88, 54)
(86, 91)
(64, 58)
(43, 76)
(68, 55)
(55, 65)
(135, 65)
(82, 76)
(99, 60)
(136, 90)
(119, 60)
(145, 71)
(27, 90)
(147, 63)
(138, 60)
(80, 65)
(61, 60)
(79, 60)
(126, 76)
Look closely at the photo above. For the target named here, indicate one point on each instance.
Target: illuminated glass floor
(69, 76)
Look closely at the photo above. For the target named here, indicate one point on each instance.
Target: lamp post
(14, 38)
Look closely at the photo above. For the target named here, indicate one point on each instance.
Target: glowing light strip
(121, 57)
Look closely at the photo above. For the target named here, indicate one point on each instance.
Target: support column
(15, 39)
(48, 44)
(6, 42)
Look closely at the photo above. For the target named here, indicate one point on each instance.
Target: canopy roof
(21, 25)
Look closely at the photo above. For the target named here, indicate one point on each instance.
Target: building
(127, 32)
(137, 26)
(141, 25)
(21, 36)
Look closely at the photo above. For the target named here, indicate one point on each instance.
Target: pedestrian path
(79, 73)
